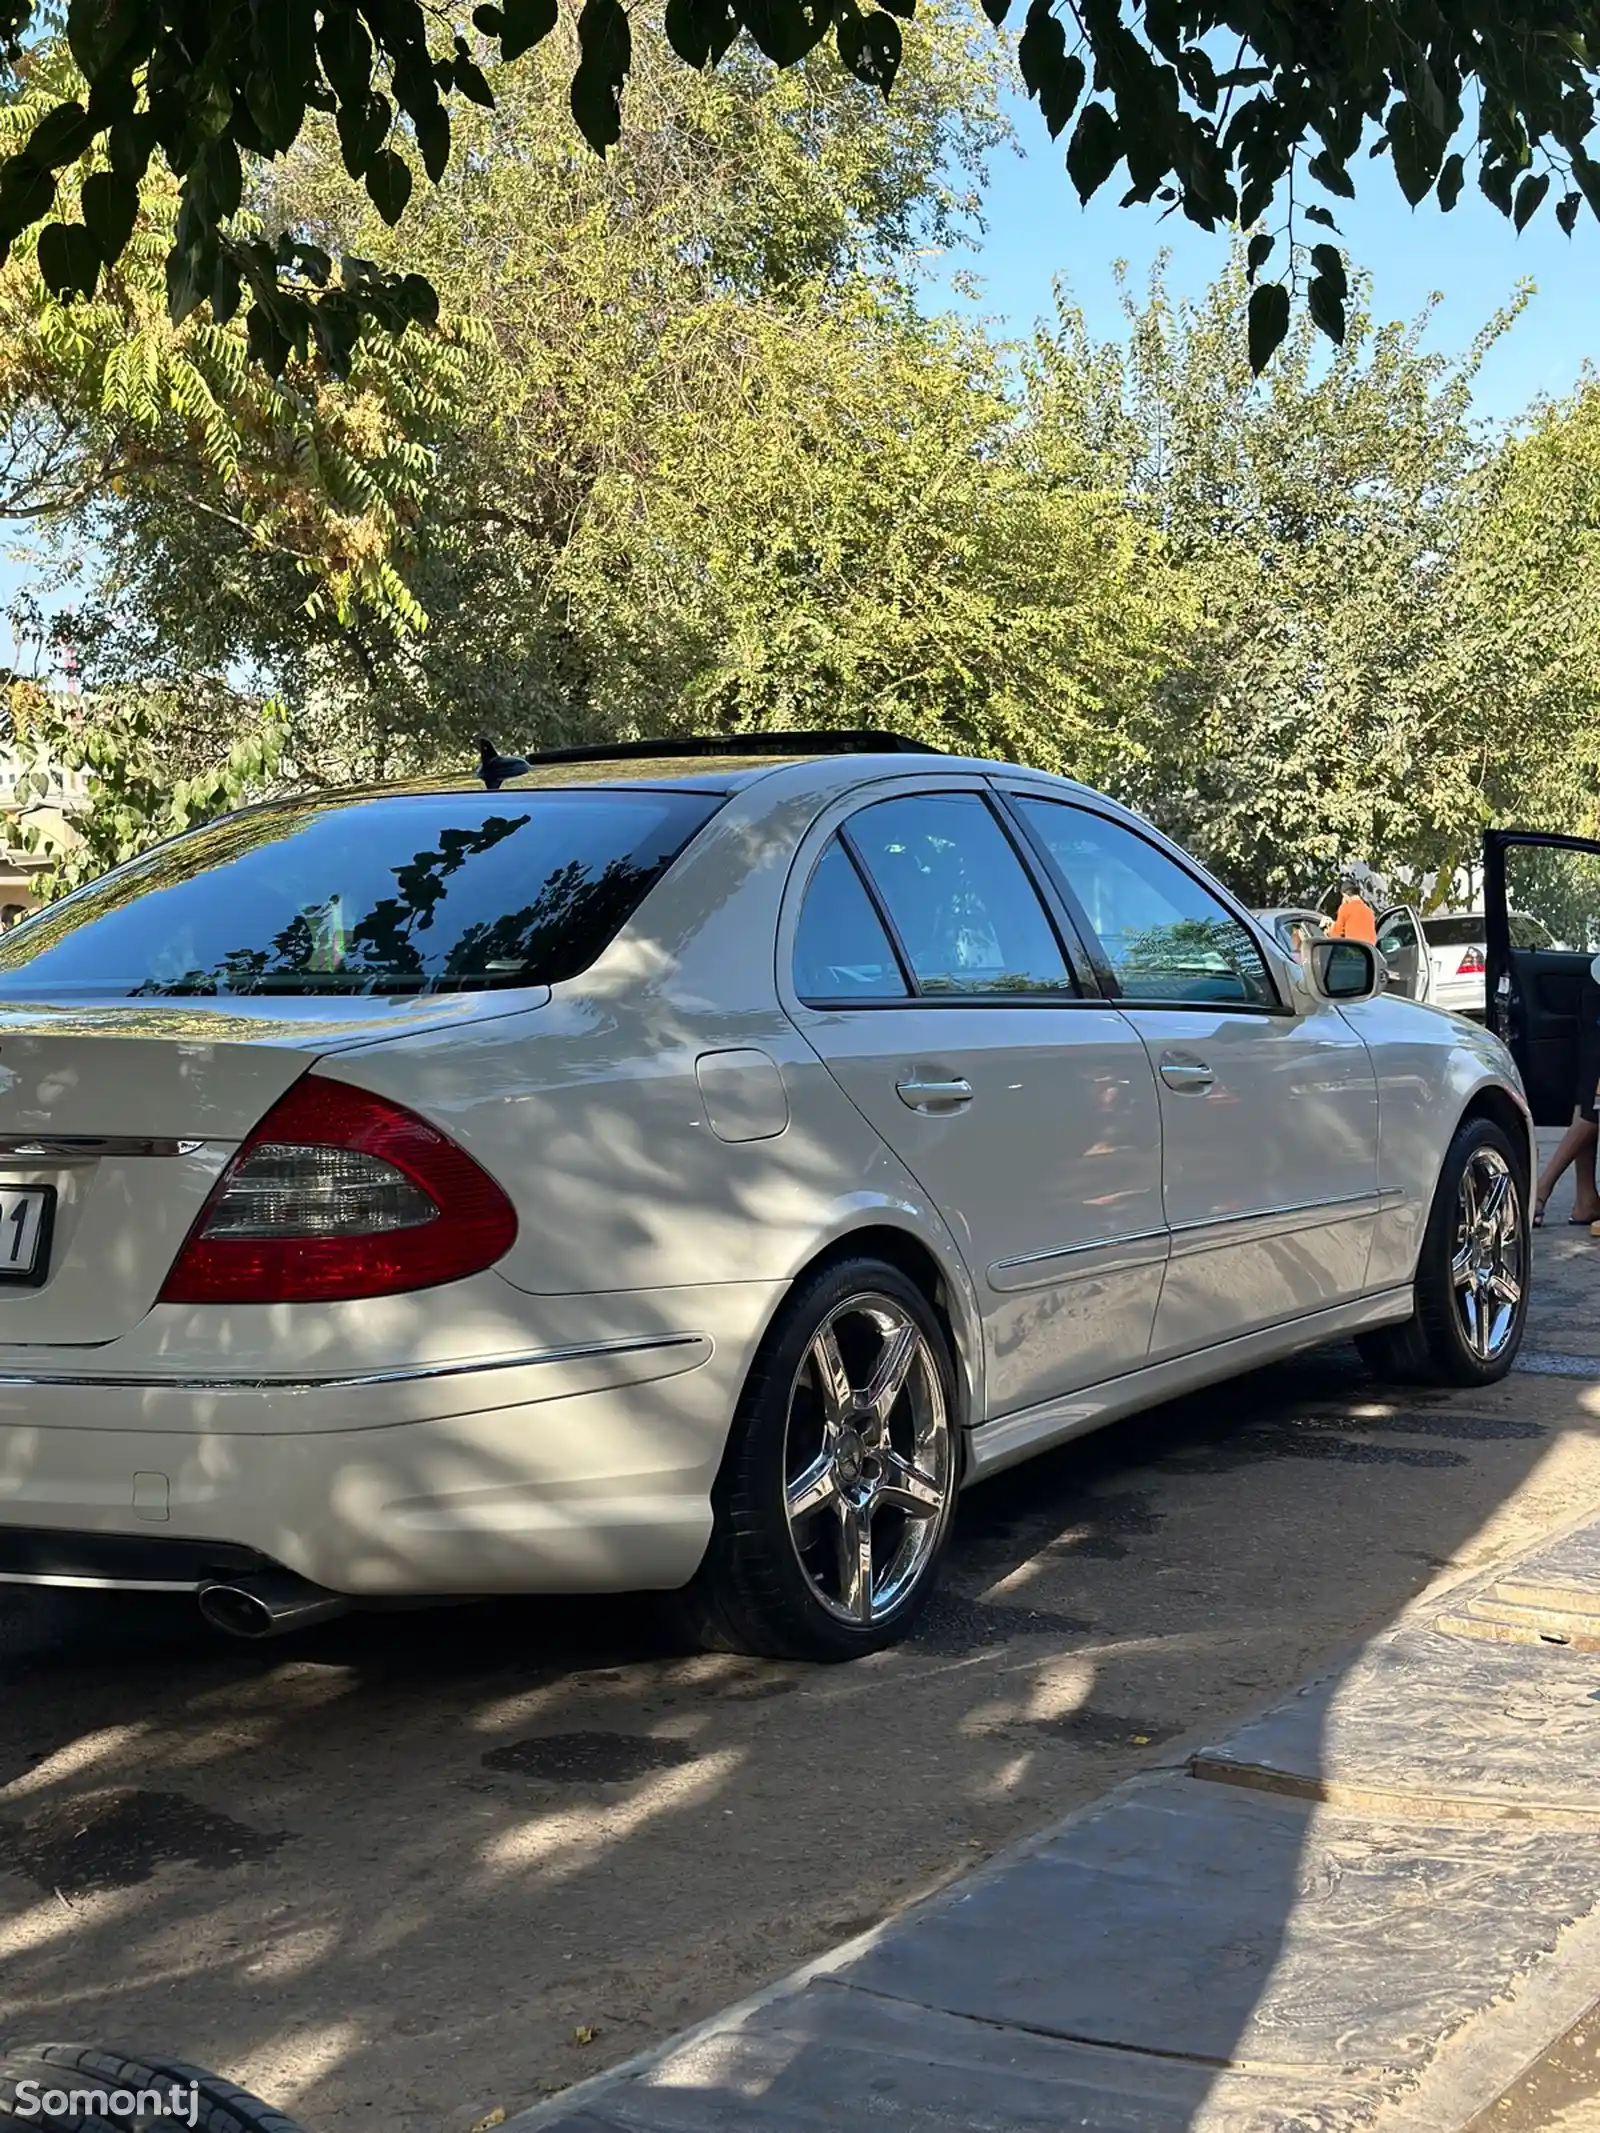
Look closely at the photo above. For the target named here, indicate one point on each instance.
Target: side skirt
(1012, 1438)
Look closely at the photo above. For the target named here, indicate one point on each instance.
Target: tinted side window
(841, 951)
(409, 893)
(965, 911)
(1165, 937)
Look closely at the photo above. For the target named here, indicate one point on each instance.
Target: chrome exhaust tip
(271, 1605)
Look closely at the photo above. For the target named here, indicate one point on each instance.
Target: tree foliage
(1371, 595)
(1211, 105)
(106, 404)
(136, 793)
(702, 461)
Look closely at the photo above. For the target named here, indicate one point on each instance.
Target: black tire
(752, 1592)
(91, 2069)
(1431, 1347)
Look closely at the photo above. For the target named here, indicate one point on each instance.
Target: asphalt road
(410, 1868)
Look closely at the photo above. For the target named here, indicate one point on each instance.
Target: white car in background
(685, 1168)
(1458, 948)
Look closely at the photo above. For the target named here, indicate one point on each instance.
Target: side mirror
(1345, 970)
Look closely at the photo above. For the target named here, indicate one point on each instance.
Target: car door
(1269, 1115)
(1542, 919)
(937, 986)
(1404, 949)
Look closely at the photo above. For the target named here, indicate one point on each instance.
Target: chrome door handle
(934, 1095)
(1186, 1074)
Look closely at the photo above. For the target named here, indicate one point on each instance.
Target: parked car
(1407, 970)
(685, 1168)
(1458, 948)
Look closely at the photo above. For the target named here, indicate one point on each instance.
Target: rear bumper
(583, 1468)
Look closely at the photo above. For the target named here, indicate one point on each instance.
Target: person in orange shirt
(1355, 920)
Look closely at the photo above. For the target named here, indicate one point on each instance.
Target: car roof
(711, 774)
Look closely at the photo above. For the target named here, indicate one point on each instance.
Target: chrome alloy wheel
(869, 1463)
(1489, 1270)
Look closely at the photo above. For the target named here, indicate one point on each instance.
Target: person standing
(1355, 919)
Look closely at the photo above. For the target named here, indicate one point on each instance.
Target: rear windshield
(414, 893)
(1468, 932)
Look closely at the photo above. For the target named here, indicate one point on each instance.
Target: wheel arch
(1499, 1104)
(944, 1284)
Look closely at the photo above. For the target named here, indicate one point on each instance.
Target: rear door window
(410, 893)
(967, 916)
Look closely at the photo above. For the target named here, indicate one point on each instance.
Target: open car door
(1404, 949)
(1541, 900)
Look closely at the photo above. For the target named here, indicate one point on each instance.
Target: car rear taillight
(1472, 964)
(338, 1194)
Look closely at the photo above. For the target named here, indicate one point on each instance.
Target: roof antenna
(493, 768)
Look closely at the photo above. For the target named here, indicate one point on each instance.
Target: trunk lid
(127, 1114)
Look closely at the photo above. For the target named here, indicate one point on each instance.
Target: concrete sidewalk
(1375, 1906)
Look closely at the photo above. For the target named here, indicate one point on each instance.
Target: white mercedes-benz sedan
(684, 1167)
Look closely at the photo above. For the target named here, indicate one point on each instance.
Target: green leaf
(26, 193)
(388, 186)
(419, 300)
(225, 290)
(110, 207)
(1093, 150)
(1418, 147)
(1328, 262)
(101, 32)
(346, 53)
(432, 128)
(284, 43)
(528, 22)
(1498, 174)
(130, 145)
(700, 31)
(1567, 211)
(1321, 215)
(1587, 172)
(363, 129)
(996, 10)
(61, 136)
(192, 262)
(786, 30)
(1451, 177)
(277, 105)
(488, 19)
(1326, 305)
(1256, 257)
(596, 94)
(1331, 175)
(1268, 322)
(870, 46)
(69, 259)
(1049, 72)
(1530, 195)
(470, 79)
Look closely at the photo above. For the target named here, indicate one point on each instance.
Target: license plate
(26, 1213)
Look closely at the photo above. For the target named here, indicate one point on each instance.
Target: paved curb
(1386, 1911)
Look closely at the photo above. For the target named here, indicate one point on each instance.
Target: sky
(1471, 257)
